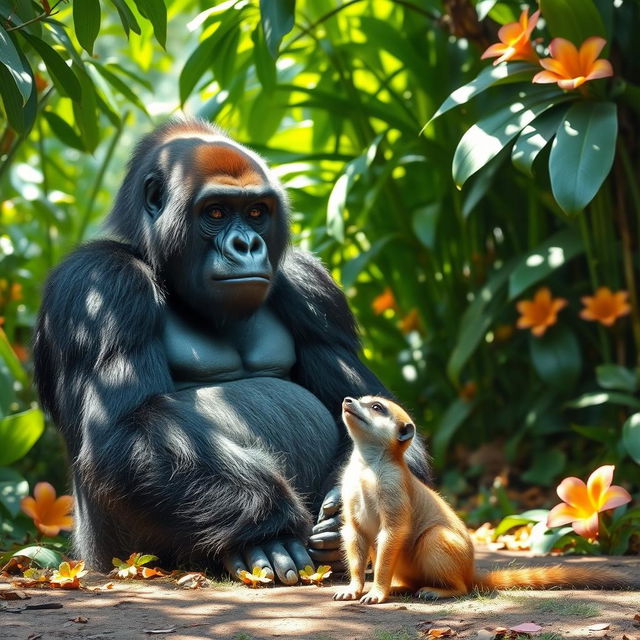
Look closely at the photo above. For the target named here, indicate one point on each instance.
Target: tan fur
(414, 538)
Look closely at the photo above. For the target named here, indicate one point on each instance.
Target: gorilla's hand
(282, 558)
(324, 543)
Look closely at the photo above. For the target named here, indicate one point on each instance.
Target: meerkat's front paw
(375, 596)
(350, 593)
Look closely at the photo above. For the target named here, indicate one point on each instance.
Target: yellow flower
(317, 576)
(384, 301)
(582, 503)
(50, 514)
(515, 40)
(68, 575)
(541, 312)
(605, 306)
(571, 68)
(257, 577)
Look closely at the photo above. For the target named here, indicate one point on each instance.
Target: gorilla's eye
(377, 407)
(214, 211)
(257, 211)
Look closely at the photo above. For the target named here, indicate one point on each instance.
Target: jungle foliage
(340, 96)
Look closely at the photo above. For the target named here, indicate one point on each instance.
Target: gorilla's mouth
(247, 277)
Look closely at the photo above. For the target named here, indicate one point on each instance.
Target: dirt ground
(145, 609)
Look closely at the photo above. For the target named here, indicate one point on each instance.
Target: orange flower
(605, 306)
(411, 322)
(50, 514)
(582, 503)
(541, 312)
(384, 301)
(569, 67)
(515, 40)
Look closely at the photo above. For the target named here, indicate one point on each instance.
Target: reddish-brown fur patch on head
(227, 165)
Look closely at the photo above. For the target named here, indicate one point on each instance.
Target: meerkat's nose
(348, 401)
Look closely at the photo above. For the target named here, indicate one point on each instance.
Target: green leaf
(556, 357)
(156, 12)
(41, 556)
(509, 522)
(12, 361)
(19, 73)
(543, 540)
(63, 131)
(457, 412)
(119, 85)
(544, 259)
(63, 77)
(477, 319)
(277, 17)
(534, 138)
(85, 111)
(582, 153)
(575, 21)
(352, 268)
(145, 559)
(604, 397)
(86, 22)
(13, 487)
(127, 18)
(488, 77)
(614, 376)
(631, 436)
(199, 61)
(546, 469)
(18, 433)
(487, 137)
(425, 223)
(264, 62)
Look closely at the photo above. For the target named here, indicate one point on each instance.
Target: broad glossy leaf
(41, 556)
(535, 137)
(425, 223)
(277, 17)
(18, 433)
(631, 436)
(85, 111)
(582, 153)
(544, 259)
(352, 268)
(13, 487)
(9, 357)
(264, 62)
(575, 21)
(195, 67)
(453, 418)
(63, 130)
(556, 357)
(488, 77)
(120, 86)
(61, 74)
(615, 376)
(487, 137)
(86, 21)
(16, 65)
(545, 469)
(156, 12)
(604, 397)
(543, 540)
(127, 18)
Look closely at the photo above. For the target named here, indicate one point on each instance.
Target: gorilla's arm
(316, 313)
(137, 451)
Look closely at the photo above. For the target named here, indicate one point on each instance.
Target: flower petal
(551, 64)
(588, 527)
(573, 83)
(545, 77)
(29, 506)
(589, 50)
(48, 530)
(598, 483)
(45, 495)
(574, 492)
(566, 53)
(615, 497)
(562, 514)
(509, 33)
(61, 507)
(533, 21)
(600, 69)
(496, 49)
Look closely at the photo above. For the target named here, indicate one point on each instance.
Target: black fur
(188, 474)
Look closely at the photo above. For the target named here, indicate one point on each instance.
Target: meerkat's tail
(546, 577)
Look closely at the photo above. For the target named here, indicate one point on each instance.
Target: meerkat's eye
(377, 407)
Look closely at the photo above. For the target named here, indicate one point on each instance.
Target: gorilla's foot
(282, 559)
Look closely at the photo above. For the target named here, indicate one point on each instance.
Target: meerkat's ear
(406, 432)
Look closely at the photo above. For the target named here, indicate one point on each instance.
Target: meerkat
(414, 539)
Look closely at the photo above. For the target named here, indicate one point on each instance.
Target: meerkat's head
(373, 420)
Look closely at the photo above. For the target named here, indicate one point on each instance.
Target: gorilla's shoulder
(310, 302)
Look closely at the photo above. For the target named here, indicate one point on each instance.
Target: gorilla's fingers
(281, 561)
(299, 554)
(328, 556)
(331, 524)
(327, 540)
(330, 505)
(256, 557)
(233, 562)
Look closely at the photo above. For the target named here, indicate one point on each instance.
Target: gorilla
(195, 364)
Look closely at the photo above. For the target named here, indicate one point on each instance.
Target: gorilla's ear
(406, 432)
(152, 196)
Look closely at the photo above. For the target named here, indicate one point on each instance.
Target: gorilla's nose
(244, 245)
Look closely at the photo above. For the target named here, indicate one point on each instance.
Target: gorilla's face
(222, 224)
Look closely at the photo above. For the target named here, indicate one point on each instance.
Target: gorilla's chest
(258, 346)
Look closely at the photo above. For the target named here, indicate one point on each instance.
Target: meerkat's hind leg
(436, 593)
